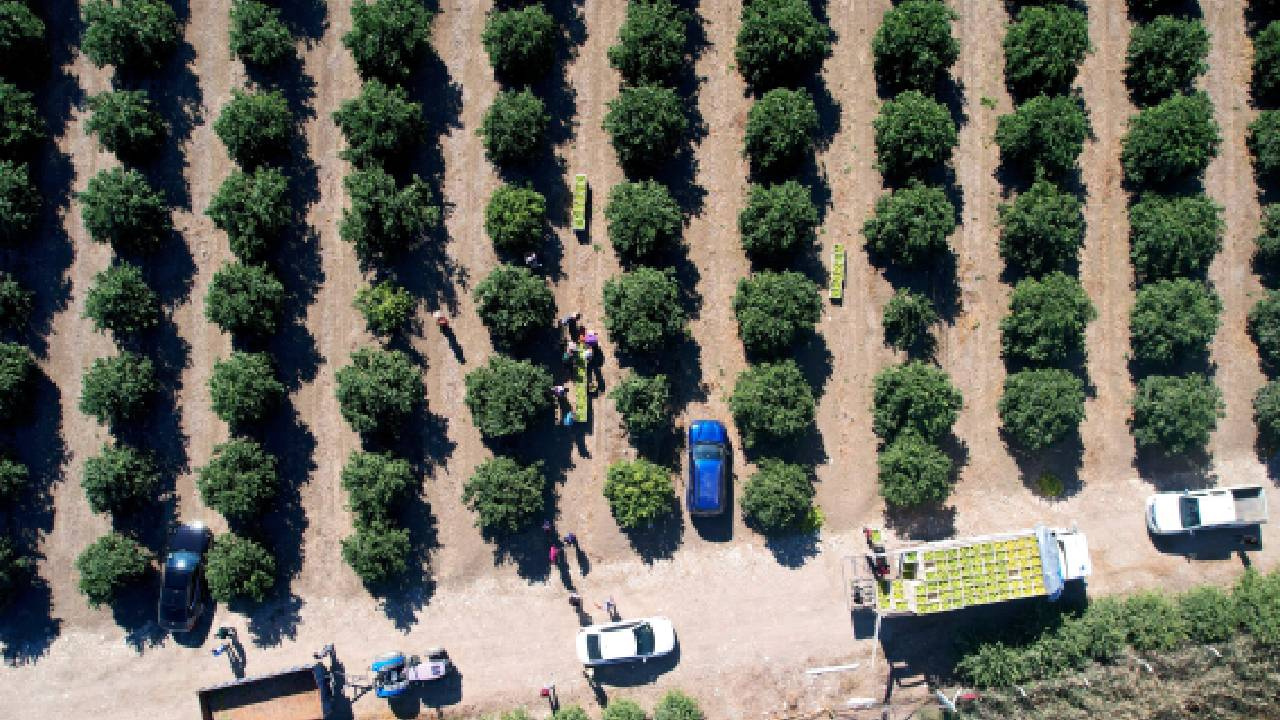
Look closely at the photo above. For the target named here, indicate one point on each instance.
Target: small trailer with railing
(953, 574)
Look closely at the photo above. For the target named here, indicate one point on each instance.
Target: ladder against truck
(953, 574)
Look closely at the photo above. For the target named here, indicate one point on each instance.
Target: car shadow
(638, 673)
(1209, 544)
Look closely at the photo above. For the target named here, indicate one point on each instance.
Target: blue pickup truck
(706, 491)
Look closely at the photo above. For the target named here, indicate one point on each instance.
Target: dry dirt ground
(751, 615)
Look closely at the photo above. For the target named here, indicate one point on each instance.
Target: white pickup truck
(1170, 513)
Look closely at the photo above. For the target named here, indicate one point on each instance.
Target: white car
(626, 641)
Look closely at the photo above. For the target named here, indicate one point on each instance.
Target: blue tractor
(394, 672)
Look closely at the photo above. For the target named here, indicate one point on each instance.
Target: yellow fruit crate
(836, 290)
(579, 202)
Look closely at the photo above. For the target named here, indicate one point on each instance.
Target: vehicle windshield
(173, 599)
(706, 451)
(593, 646)
(644, 639)
(1190, 512)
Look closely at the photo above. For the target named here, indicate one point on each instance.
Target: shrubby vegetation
(642, 310)
(253, 210)
(14, 479)
(1043, 49)
(255, 126)
(22, 37)
(913, 46)
(244, 388)
(119, 479)
(109, 565)
(1041, 407)
(1175, 414)
(513, 304)
(116, 390)
(913, 133)
(17, 376)
(780, 130)
(1264, 143)
(1266, 414)
(907, 318)
(378, 391)
(19, 201)
(521, 42)
(647, 126)
(1065, 641)
(643, 219)
(1170, 141)
(1043, 135)
(1172, 235)
(778, 497)
(772, 403)
(1165, 56)
(121, 208)
(516, 219)
(380, 124)
(244, 299)
(910, 225)
(120, 300)
(386, 307)
(1267, 254)
(639, 493)
(377, 552)
(914, 397)
(1266, 62)
(515, 127)
(239, 481)
(1042, 229)
(774, 308)
(376, 483)
(505, 496)
(21, 127)
(258, 36)
(1264, 327)
(506, 396)
(125, 122)
(675, 705)
(388, 37)
(1173, 319)
(15, 302)
(778, 41)
(1046, 320)
(239, 568)
(129, 34)
(644, 402)
(777, 221)
(384, 220)
(651, 43)
(913, 471)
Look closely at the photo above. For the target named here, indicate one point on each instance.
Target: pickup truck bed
(1251, 505)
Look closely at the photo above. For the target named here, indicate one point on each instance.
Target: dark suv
(182, 588)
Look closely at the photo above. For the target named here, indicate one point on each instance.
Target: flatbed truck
(950, 575)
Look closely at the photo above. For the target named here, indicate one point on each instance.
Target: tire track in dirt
(1229, 181)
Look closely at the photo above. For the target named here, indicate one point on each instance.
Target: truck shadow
(1209, 544)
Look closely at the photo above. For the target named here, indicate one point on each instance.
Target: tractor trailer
(953, 574)
(298, 693)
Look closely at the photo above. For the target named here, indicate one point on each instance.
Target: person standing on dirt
(553, 555)
(442, 320)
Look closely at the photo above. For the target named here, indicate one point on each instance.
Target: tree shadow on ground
(794, 549)
(1209, 544)
(1058, 464)
(1192, 471)
(134, 610)
(175, 94)
(660, 540)
(415, 588)
(924, 523)
(27, 624)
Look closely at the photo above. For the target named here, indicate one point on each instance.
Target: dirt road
(750, 616)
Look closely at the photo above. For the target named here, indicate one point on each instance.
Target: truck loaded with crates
(954, 574)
